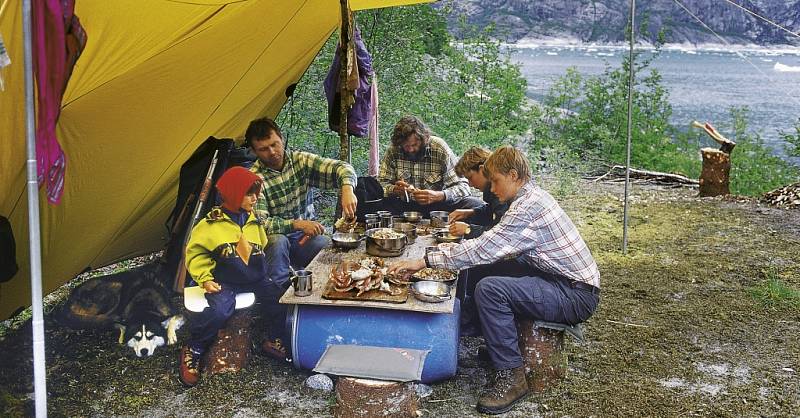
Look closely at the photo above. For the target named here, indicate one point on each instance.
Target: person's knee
(277, 242)
(487, 289)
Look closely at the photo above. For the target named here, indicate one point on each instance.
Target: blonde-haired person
(534, 265)
(472, 222)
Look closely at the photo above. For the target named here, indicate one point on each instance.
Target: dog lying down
(134, 301)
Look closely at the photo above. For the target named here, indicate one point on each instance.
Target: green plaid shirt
(434, 171)
(283, 195)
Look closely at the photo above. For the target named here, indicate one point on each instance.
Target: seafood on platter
(368, 274)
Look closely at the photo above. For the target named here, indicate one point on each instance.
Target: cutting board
(372, 295)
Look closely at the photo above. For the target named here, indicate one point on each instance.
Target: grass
(773, 293)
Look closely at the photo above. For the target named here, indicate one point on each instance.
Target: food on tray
(439, 275)
(368, 274)
(424, 229)
(386, 233)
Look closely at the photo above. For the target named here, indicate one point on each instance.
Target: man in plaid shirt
(418, 172)
(532, 264)
(287, 175)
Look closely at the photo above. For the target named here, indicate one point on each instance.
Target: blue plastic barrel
(314, 327)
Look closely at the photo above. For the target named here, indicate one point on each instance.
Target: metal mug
(386, 220)
(302, 281)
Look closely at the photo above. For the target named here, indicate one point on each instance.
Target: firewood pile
(786, 197)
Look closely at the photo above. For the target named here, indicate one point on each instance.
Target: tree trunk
(545, 364)
(715, 177)
(231, 351)
(374, 398)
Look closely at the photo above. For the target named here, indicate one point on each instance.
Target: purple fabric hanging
(58, 40)
(359, 115)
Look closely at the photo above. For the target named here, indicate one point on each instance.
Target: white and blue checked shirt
(534, 228)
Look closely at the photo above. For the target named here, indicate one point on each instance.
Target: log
(715, 176)
(545, 364)
(374, 398)
(231, 351)
(618, 171)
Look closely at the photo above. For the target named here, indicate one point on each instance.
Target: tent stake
(39, 369)
(628, 150)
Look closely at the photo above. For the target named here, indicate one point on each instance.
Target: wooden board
(372, 295)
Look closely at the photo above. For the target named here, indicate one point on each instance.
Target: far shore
(575, 43)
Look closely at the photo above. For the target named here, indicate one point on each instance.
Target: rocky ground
(693, 321)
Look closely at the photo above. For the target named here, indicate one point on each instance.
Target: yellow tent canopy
(155, 80)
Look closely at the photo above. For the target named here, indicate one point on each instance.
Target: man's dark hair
(261, 128)
(410, 125)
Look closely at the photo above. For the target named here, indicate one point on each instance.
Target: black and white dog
(134, 301)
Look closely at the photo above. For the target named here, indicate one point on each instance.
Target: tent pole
(39, 370)
(628, 150)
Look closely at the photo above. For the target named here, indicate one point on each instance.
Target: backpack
(369, 193)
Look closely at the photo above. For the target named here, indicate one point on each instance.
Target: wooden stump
(544, 362)
(374, 398)
(231, 351)
(715, 177)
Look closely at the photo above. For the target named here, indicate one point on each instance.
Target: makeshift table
(314, 322)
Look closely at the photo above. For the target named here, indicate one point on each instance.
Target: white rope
(764, 18)
(742, 56)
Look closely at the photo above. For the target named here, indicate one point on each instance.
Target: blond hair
(472, 159)
(505, 159)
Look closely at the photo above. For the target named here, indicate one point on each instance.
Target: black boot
(506, 389)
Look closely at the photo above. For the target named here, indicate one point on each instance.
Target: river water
(703, 82)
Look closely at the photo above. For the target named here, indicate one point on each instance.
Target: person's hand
(310, 228)
(426, 197)
(349, 202)
(400, 187)
(406, 268)
(460, 214)
(211, 286)
(458, 228)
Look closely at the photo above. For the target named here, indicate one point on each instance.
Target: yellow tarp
(156, 79)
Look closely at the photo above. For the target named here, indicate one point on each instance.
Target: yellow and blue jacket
(211, 252)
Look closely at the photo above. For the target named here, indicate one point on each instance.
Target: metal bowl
(439, 218)
(385, 247)
(412, 216)
(444, 236)
(429, 291)
(346, 239)
(407, 228)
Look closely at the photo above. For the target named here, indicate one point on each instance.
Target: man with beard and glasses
(418, 172)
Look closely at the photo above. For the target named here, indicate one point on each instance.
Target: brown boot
(506, 389)
(189, 372)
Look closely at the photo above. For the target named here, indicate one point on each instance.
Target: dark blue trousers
(285, 250)
(205, 325)
(513, 289)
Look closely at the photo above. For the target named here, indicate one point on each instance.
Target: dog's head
(144, 337)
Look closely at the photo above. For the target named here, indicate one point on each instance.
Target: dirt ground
(678, 332)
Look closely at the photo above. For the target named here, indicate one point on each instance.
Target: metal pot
(385, 247)
(412, 216)
(407, 228)
(346, 239)
(444, 236)
(430, 291)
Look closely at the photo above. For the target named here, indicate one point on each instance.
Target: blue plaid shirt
(536, 230)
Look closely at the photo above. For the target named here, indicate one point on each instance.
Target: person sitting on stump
(470, 166)
(225, 256)
(538, 267)
(417, 172)
(287, 176)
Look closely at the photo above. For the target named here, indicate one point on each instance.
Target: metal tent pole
(39, 371)
(628, 150)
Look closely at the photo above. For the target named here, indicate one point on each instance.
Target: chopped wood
(786, 197)
(715, 176)
(374, 398)
(617, 173)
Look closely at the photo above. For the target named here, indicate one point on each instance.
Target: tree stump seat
(230, 352)
(541, 344)
(360, 397)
